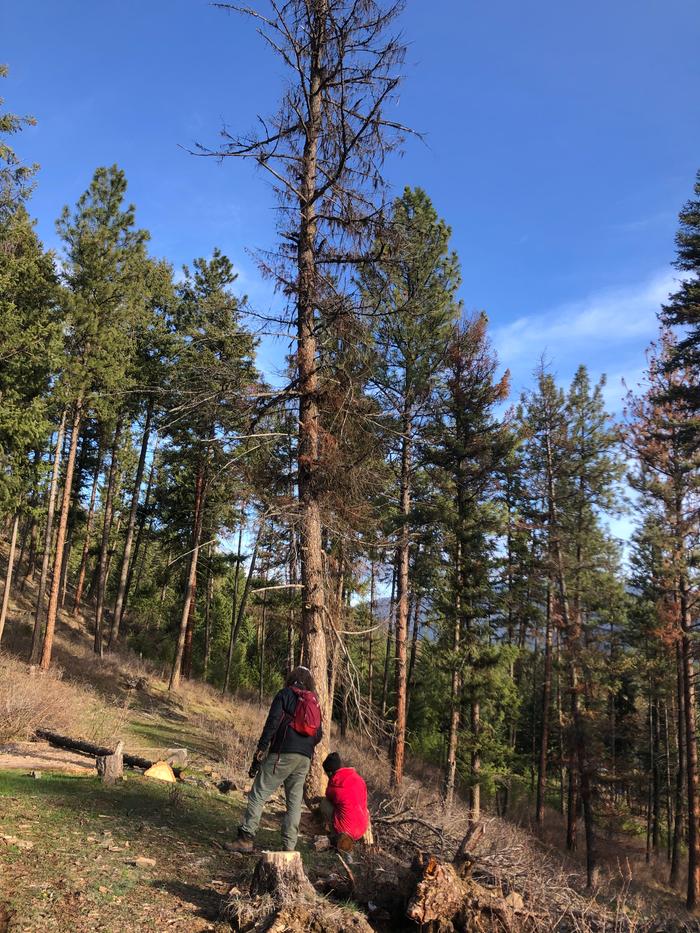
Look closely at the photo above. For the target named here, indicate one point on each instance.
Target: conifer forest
(435, 544)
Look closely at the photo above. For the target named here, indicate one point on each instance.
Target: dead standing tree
(324, 149)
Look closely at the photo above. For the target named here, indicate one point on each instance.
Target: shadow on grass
(206, 901)
(139, 805)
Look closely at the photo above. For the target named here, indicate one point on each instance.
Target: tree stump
(281, 874)
(111, 767)
(282, 900)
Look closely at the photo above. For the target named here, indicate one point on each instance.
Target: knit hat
(332, 763)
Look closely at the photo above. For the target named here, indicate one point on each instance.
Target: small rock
(102, 889)
(36, 775)
(322, 843)
(176, 757)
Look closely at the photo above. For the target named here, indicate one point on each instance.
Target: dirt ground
(40, 756)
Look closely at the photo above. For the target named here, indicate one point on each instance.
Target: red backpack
(307, 714)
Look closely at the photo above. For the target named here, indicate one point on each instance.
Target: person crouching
(291, 733)
(344, 808)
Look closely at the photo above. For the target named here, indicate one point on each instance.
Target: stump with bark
(111, 767)
(282, 899)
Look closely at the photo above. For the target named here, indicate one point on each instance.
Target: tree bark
(140, 533)
(572, 627)
(691, 750)
(313, 608)
(191, 581)
(46, 556)
(546, 702)
(414, 651)
(209, 593)
(47, 646)
(402, 586)
(370, 660)
(455, 692)
(234, 607)
(680, 770)
(80, 585)
(130, 527)
(389, 636)
(104, 545)
(8, 573)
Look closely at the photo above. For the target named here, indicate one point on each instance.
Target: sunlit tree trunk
(52, 613)
(46, 556)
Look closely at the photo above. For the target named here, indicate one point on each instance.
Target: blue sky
(561, 140)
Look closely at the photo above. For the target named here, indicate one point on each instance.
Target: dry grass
(37, 699)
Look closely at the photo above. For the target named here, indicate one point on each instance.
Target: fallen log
(282, 900)
(95, 751)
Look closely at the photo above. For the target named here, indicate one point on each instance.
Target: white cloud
(610, 318)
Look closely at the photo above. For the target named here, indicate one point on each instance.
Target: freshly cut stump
(111, 767)
(282, 900)
(282, 875)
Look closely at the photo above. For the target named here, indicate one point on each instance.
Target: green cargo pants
(289, 769)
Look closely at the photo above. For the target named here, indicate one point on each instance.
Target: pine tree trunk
(455, 692)
(140, 533)
(669, 798)
(8, 573)
(680, 770)
(75, 499)
(370, 660)
(313, 609)
(191, 580)
(189, 636)
(209, 592)
(31, 555)
(475, 785)
(234, 609)
(52, 613)
(48, 535)
(414, 652)
(130, 527)
(402, 587)
(691, 767)
(80, 585)
(261, 659)
(572, 627)
(104, 545)
(546, 701)
(389, 637)
(655, 777)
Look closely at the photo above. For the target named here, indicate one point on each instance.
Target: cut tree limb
(96, 751)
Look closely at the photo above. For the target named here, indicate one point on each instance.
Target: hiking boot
(244, 843)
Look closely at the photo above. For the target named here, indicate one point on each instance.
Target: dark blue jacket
(278, 733)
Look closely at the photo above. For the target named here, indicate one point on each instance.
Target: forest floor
(147, 856)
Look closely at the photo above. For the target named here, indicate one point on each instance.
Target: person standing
(291, 732)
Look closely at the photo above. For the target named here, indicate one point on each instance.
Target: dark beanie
(332, 763)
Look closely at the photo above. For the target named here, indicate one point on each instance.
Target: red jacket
(348, 793)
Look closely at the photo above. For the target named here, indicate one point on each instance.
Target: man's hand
(258, 759)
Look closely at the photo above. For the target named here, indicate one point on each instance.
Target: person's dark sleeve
(272, 723)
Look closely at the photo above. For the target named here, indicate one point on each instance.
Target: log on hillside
(95, 751)
(282, 900)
